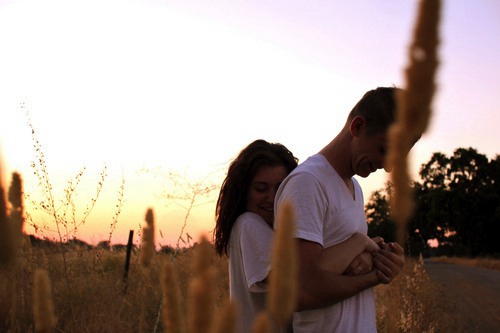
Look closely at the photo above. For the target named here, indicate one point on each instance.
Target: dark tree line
(457, 203)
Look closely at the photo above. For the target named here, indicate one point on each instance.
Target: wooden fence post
(127, 259)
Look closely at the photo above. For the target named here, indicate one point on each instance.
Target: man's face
(369, 153)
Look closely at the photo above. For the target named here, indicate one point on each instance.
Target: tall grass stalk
(225, 319)
(118, 211)
(148, 239)
(43, 307)
(63, 212)
(16, 209)
(173, 319)
(64, 215)
(6, 241)
(201, 297)
(262, 323)
(414, 107)
(283, 278)
(146, 256)
(413, 303)
(14, 237)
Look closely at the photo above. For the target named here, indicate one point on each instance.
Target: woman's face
(263, 189)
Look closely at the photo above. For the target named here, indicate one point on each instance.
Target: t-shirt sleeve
(308, 199)
(256, 242)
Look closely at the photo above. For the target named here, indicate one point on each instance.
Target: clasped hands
(387, 259)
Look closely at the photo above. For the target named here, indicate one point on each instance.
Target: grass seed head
(7, 247)
(17, 209)
(172, 310)
(262, 323)
(225, 320)
(148, 239)
(414, 107)
(203, 256)
(43, 308)
(201, 301)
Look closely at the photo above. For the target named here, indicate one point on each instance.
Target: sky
(165, 93)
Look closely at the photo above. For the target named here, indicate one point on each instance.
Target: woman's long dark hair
(232, 199)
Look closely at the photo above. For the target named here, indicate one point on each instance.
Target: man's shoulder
(307, 178)
(316, 165)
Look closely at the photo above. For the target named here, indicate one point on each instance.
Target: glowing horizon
(184, 86)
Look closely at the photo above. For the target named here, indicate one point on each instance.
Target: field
(72, 288)
(89, 292)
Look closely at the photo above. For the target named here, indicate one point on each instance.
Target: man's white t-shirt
(249, 263)
(328, 214)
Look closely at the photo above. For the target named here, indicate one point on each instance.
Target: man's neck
(337, 153)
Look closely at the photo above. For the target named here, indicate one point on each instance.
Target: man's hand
(389, 262)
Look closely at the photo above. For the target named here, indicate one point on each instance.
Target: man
(329, 208)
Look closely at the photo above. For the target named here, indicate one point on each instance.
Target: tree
(433, 173)
(377, 215)
(457, 203)
(431, 219)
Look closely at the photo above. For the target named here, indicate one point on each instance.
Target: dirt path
(475, 293)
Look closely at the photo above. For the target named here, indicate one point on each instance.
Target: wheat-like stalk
(6, 246)
(414, 108)
(201, 302)
(283, 278)
(17, 209)
(148, 239)
(225, 320)
(11, 220)
(201, 293)
(43, 308)
(262, 323)
(203, 256)
(172, 312)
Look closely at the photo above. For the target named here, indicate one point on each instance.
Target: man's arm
(338, 258)
(319, 287)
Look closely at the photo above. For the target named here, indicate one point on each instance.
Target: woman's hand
(389, 262)
(362, 264)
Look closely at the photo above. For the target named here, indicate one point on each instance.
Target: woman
(244, 227)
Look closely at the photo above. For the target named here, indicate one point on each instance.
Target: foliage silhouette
(457, 204)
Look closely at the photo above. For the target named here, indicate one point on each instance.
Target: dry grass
(88, 293)
(412, 303)
(97, 301)
(489, 263)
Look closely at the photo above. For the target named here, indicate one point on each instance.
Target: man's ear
(357, 124)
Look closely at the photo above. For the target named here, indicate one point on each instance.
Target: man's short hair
(378, 107)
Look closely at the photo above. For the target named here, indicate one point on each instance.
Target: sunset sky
(182, 85)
